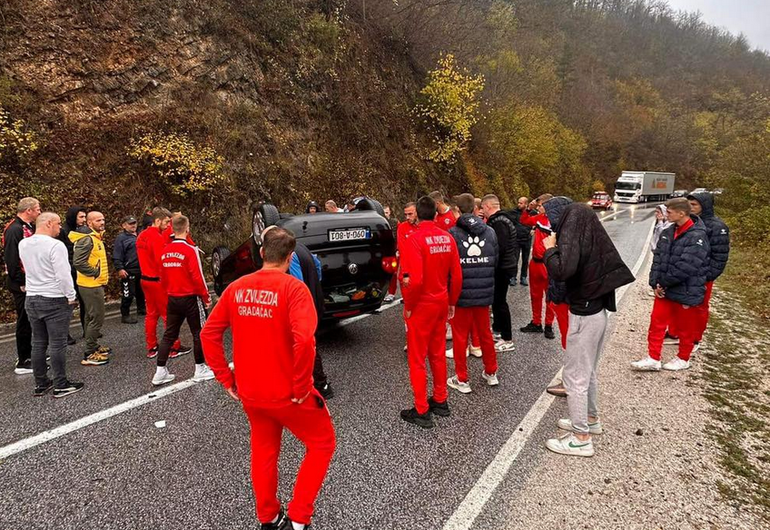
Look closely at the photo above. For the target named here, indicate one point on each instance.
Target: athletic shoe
(696, 347)
(557, 390)
(476, 352)
(491, 379)
(503, 346)
(141, 312)
(23, 367)
(647, 364)
(439, 409)
(389, 298)
(95, 359)
(670, 340)
(183, 350)
(571, 446)
(454, 382)
(548, 332)
(512, 282)
(565, 424)
(104, 350)
(128, 319)
(326, 391)
(406, 347)
(448, 333)
(202, 373)
(532, 328)
(67, 389)
(523, 281)
(421, 420)
(162, 376)
(282, 523)
(450, 353)
(152, 352)
(71, 340)
(43, 390)
(676, 364)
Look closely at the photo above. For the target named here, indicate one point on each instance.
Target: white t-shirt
(46, 264)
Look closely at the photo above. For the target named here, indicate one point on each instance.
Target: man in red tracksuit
(403, 231)
(431, 281)
(149, 247)
(181, 276)
(445, 217)
(538, 274)
(273, 323)
(168, 233)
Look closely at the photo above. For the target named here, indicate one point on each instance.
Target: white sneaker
(696, 347)
(476, 352)
(454, 382)
(389, 298)
(491, 379)
(202, 373)
(162, 376)
(571, 446)
(565, 424)
(503, 346)
(450, 353)
(676, 364)
(448, 333)
(646, 365)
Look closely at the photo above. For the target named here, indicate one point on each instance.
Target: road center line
(481, 492)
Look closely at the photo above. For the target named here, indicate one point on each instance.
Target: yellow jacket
(90, 259)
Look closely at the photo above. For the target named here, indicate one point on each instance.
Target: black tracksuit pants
(131, 288)
(181, 308)
(500, 310)
(23, 327)
(522, 250)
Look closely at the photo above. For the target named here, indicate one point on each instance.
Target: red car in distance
(601, 201)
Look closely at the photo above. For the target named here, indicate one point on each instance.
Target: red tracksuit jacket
(273, 322)
(404, 230)
(168, 235)
(181, 272)
(538, 248)
(446, 220)
(149, 247)
(432, 263)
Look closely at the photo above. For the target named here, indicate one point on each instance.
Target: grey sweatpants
(585, 341)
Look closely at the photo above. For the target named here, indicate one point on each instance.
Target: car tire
(263, 216)
(218, 256)
(371, 205)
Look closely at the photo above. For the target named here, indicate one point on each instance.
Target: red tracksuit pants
(466, 320)
(538, 285)
(156, 300)
(311, 424)
(426, 340)
(704, 311)
(562, 318)
(666, 312)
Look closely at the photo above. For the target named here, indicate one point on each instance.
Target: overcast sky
(750, 17)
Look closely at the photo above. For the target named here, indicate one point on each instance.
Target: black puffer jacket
(505, 231)
(718, 233)
(585, 258)
(523, 232)
(477, 245)
(557, 291)
(681, 265)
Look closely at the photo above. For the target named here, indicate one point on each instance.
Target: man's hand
(123, 274)
(451, 313)
(550, 241)
(532, 205)
(23, 289)
(73, 303)
(660, 292)
(233, 393)
(301, 400)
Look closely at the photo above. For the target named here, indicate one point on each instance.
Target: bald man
(523, 240)
(92, 266)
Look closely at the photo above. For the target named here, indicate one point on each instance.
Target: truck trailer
(644, 186)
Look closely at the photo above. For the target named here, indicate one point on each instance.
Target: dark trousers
(319, 376)
(81, 305)
(131, 288)
(181, 308)
(23, 328)
(500, 310)
(522, 251)
(50, 322)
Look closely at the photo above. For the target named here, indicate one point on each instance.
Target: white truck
(643, 186)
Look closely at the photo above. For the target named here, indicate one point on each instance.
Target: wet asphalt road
(124, 473)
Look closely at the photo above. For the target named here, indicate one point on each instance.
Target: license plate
(350, 234)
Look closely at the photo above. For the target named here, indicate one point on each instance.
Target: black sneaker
(548, 332)
(183, 350)
(524, 281)
(422, 420)
(532, 328)
(66, 390)
(23, 367)
(152, 352)
(141, 312)
(71, 340)
(326, 391)
(282, 523)
(128, 319)
(439, 409)
(43, 390)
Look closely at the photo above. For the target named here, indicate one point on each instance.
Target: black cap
(130, 219)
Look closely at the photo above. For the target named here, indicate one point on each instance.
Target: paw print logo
(474, 246)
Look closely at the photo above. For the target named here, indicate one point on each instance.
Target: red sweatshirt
(273, 322)
(149, 246)
(432, 263)
(538, 248)
(446, 220)
(404, 230)
(168, 234)
(684, 228)
(181, 272)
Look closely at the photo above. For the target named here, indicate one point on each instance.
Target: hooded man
(702, 205)
(581, 254)
(74, 220)
(312, 207)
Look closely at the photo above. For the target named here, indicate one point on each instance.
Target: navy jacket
(718, 233)
(523, 232)
(477, 245)
(124, 254)
(681, 265)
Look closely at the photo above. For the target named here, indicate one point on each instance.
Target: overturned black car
(357, 252)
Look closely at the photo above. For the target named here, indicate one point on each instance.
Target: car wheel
(217, 258)
(264, 215)
(367, 204)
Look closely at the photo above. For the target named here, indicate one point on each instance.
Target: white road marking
(481, 492)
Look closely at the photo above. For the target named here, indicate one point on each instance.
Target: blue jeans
(50, 320)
